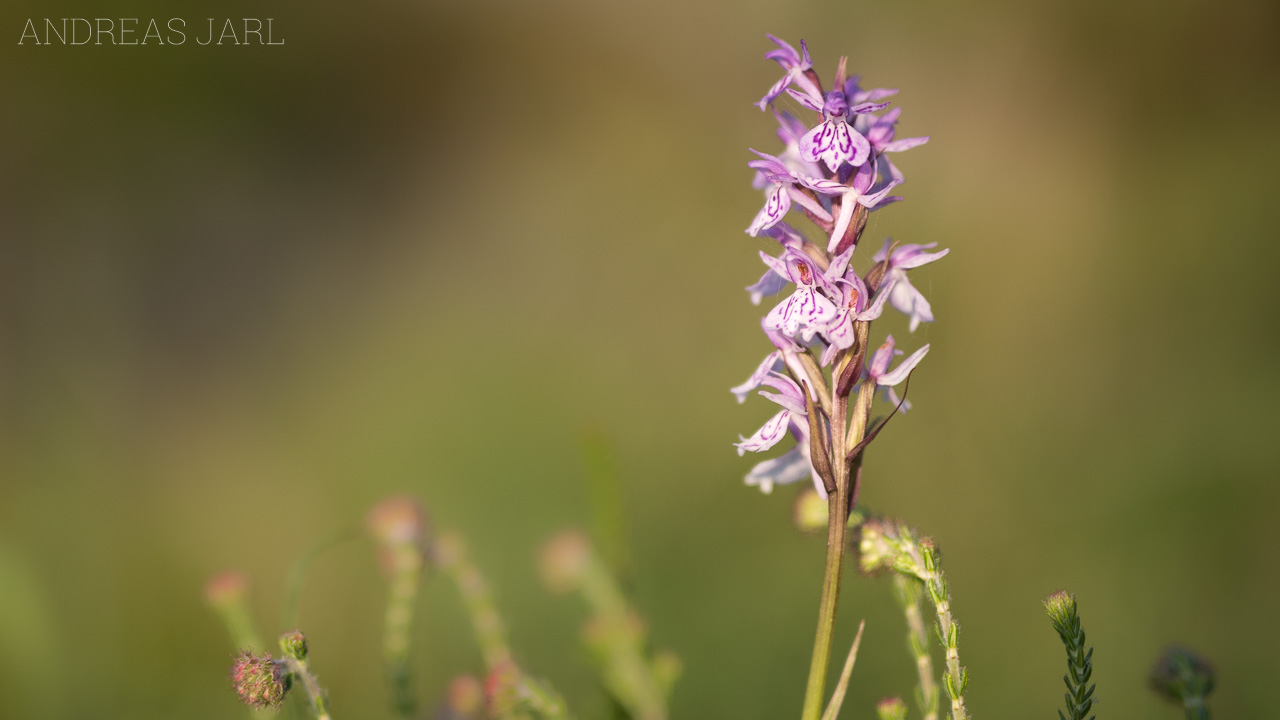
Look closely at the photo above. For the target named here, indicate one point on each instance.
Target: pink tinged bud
(565, 560)
(259, 681)
(294, 644)
(891, 709)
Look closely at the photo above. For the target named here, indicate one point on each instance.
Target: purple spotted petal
(834, 143)
(767, 436)
(777, 202)
(867, 107)
(807, 99)
(804, 308)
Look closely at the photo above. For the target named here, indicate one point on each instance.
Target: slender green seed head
(294, 645)
(810, 511)
(259, 681)
(1182, 676)
(565, 560)
(891, 709)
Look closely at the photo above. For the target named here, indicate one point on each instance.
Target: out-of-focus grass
(246, 292)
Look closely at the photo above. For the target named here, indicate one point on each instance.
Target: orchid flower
(879, 373)
(806, 310)
(835, 142)
(904, 296)
(778, 181)
(794, 464)
(795, 63)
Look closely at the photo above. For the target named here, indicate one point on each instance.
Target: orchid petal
(777, 204)
(806, 99)
(771, 283)
(905, 144)
(900, 373)
(769, 364)
(789, 467)
(767, 436)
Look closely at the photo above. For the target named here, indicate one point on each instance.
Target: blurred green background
(245, 292)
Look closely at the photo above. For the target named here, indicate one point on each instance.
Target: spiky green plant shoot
(1061, 607)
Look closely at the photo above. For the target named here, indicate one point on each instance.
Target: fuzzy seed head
(259, 681)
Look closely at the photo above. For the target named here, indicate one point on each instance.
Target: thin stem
(405, 581)
(907, 592)
(491, 632)
(837, 527)
(957, 677)
(319, 702)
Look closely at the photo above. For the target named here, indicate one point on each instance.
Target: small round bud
(565, 559)
(1061, 607)
(294, 645)
(891, 709)
(810, 512)
(259, 681)
(466, 695)
(224, 589)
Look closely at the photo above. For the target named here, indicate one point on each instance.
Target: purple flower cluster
(834, 172)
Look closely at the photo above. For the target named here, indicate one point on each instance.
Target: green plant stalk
(319, 703)
(837, 517)
(956, 678)
(405, 581)
(628, 674)
(907, 592)
(490, 631)
(240, 626)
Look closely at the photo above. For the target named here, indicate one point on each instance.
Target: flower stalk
(615, 633)
(907, 591)
(890, 545)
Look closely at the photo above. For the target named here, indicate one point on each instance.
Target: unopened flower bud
(1182, 676)
(565, 559)
(1061, 607)
(259, 681)
(294, 645)
(891, 709)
